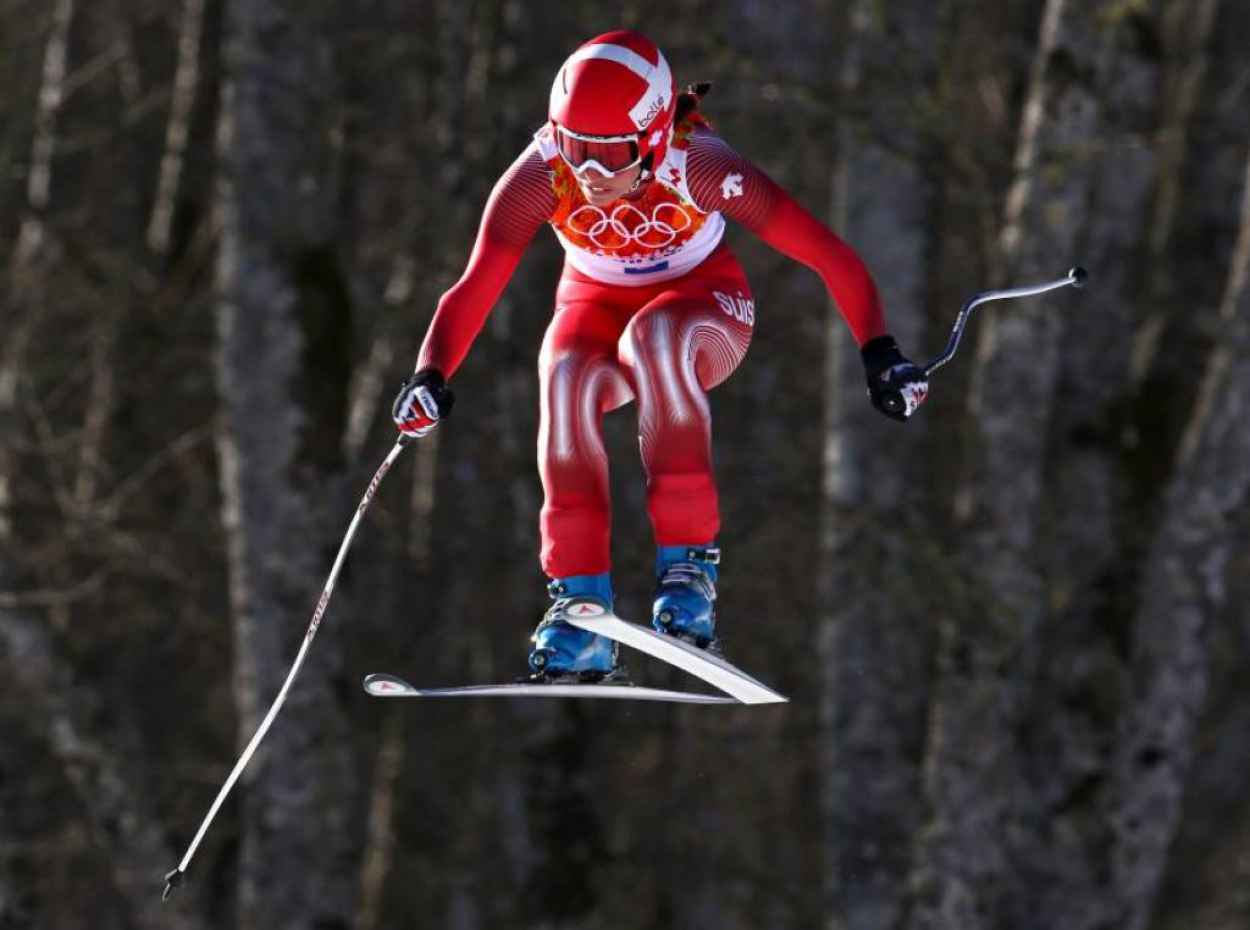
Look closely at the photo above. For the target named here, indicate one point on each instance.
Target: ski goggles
(606, 154)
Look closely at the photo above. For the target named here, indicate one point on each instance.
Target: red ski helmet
(612, 104)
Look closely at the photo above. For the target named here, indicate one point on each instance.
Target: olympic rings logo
(628, 225)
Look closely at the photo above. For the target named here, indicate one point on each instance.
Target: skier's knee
(650, 333)
(565, 368)
(569, 374)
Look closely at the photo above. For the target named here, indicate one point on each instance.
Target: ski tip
(772, 697)
(380, 685)
(173, 878)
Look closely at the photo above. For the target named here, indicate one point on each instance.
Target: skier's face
(601, 189)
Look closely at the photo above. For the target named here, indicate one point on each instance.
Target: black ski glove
(896, 386)
(424, 398)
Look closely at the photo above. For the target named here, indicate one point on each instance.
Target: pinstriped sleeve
(721, 179)
(521, 202)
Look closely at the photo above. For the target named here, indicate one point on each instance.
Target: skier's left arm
(721, 179)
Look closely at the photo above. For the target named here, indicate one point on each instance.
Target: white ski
(698, 662)
(390, 686)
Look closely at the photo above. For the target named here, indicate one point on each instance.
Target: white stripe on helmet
(658, 77)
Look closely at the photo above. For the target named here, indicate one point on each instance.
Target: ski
(391, 686)
(716, 671)
(698, 662)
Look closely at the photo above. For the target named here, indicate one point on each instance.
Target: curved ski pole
(1076, 277)
(174, 877)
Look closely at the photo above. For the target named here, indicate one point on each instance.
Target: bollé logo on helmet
(654, 109)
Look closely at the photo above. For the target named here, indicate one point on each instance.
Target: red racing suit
(652, 306)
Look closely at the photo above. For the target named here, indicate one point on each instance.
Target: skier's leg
(677, 348)
(580, 379)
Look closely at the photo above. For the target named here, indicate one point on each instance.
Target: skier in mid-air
(652, 307)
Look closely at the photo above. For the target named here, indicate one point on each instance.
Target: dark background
(1013, 631)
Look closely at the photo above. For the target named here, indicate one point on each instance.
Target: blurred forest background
(1013, 631)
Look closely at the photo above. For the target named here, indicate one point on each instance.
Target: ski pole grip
(425, 398)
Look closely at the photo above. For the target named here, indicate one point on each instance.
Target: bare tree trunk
(283, 370)
(33, 252)
(380, 842)
(100, 396)
(983, 802)
(26, 278)
(1208, 868)
(1084, 549)
(51, 95)
(11, 361)
(369, 387)
(186, 79)
(1187, 33)
(875, 641)
(1088, 423)
(1183, 589)
(1204, 881)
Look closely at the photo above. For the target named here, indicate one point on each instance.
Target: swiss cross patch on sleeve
(731, 186)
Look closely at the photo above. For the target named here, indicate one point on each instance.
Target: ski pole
(1076, 277)
(174, 877)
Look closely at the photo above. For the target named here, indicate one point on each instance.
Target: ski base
(698, 662)
(391, 686)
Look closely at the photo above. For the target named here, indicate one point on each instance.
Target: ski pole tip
(1079, 276)
(173, 879)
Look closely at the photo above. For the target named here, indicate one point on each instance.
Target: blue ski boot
(685, 590)
(561, 651)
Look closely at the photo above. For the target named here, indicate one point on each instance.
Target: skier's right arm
(520, 203)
